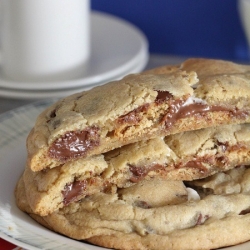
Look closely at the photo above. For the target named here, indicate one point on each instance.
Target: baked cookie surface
(133, 219)
(198, 93)
(185, 156)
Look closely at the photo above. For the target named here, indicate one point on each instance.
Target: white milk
(44, 40)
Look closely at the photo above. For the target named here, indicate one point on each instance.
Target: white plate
(15, 226)
(42, 94)
(115, 48)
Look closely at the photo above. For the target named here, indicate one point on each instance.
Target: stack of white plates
(117, 49)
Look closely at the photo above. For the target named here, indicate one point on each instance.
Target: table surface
(7, 104)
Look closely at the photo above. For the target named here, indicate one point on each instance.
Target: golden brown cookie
(196, 94)
(131, 219)
(184, 156)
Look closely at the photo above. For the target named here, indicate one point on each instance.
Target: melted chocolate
(178, 110)
(74, 144)
(72, 191)
(139, 172)
(244, 212)
(222, 159)
(133, 117)
(163, 96)
(197, 164)
(239, 146)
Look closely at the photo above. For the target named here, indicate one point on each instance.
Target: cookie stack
(157, 160)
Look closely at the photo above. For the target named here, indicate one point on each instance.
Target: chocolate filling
(197, 164)
(73, 190)
(74, 144)
(244, 212)
(139, 172)
(178, 109)
(163, 96)
(133, 117)
(223, 146)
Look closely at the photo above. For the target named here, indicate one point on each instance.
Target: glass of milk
(44, 40)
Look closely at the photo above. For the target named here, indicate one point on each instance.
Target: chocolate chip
(244, 212)
(53, 113)
(75, 143)
(163, 96)
(73, 190)
(139, 172)
(133, 117)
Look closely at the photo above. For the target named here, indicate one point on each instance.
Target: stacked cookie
(157, 160)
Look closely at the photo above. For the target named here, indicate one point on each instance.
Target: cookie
(196, 94)
(231, 182)
(130, 219)
(185, 156)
